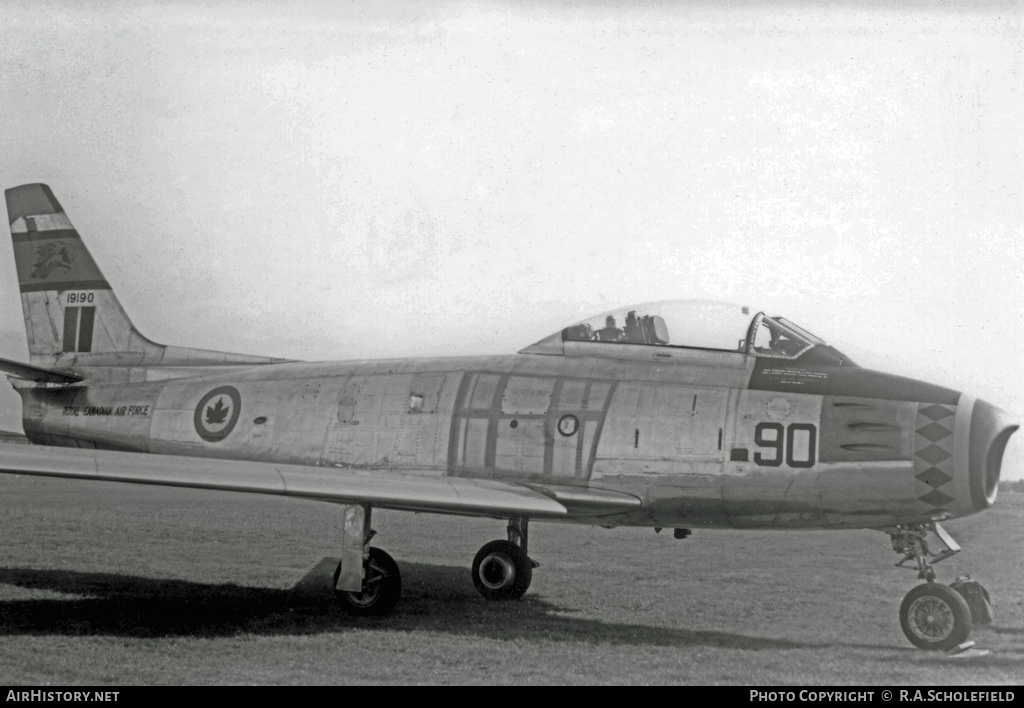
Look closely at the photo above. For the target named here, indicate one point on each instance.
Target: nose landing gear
(932, 615)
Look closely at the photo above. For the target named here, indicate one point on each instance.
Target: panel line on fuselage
(501, 418)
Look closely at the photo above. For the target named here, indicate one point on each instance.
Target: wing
(382, 488)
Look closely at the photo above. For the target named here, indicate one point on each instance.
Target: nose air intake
(991, 428)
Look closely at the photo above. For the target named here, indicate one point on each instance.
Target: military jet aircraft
(665, 415)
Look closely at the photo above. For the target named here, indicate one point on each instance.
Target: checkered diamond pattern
(936, 498)
(933, 454)
(934, 477)
(935, 411)
(934, 432)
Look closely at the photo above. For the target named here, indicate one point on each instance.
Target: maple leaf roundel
(217, 413)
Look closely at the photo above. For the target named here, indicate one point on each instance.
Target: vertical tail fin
(68, 305)
(72, 316)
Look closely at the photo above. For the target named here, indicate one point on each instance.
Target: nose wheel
(935, 616)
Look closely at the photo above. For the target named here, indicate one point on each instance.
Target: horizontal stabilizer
(35, 373)
(385, 489)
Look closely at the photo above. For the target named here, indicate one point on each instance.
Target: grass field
(115, 584)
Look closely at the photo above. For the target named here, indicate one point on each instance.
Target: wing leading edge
(386, 489)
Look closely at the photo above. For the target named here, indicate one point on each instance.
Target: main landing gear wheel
(502, 571)
(382, 586)
(935, 616)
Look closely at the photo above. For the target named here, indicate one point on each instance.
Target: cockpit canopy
(690, 324)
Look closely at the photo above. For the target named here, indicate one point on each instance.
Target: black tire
(501, 571)
(382, 586)
(935, 616)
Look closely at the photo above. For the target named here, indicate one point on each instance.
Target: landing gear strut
(932, 615)
(367, 581)
(502, 570)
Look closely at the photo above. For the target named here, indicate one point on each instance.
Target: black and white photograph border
(317, 181)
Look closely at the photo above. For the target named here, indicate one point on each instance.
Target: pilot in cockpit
(609, 333)
(634, 332)
(781, 343)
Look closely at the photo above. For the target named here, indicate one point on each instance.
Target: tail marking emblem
(51, 257)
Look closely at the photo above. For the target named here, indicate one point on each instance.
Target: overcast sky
(321, 180)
